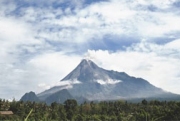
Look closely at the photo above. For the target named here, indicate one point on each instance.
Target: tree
(70, 106)
(79, 118)
(144, 102)
(62, 113)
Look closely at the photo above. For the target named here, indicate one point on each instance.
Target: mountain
(91, 82)
(31, 96)
(99, 84)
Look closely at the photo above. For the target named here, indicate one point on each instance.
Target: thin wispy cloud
(41, 41)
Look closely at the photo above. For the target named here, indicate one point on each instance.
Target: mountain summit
(88, 81)
(86, 71)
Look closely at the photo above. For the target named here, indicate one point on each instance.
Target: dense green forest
(90, 111)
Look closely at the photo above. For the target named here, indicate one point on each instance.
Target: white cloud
(175, 45)
(50, 68)
(37, 74)
(103, 18)
(107, 82)
(98, 20)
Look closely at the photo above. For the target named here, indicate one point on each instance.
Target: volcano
(88, 81)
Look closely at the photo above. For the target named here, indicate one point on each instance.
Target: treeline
(90, 111)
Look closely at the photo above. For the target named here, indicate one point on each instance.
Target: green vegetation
(90, 111)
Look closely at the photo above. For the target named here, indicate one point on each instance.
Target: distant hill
(31, 96)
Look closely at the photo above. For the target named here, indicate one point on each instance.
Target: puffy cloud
(101, 19)
(113, 18)
(50, 68)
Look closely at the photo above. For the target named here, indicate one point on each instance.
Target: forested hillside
(91, 111)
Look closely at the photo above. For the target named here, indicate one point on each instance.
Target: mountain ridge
(91, 82)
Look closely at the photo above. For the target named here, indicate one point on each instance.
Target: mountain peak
(84, 72)
(85, 60)
(31, 96)
(87, 64)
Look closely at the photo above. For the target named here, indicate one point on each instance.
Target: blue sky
(42, 41)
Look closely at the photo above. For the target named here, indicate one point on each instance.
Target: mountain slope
(96, 83)
(88, 71)
(59, 97)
